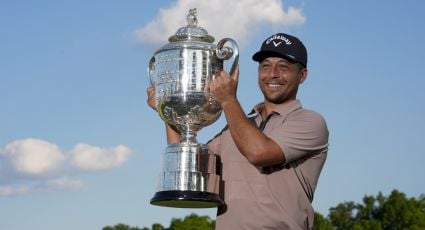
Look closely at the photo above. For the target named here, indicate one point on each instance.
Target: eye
(264, 65)
(283, 66)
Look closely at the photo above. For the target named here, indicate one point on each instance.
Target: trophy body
(181, 71)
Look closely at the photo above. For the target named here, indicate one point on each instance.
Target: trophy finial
(191, 18)
(192, 32)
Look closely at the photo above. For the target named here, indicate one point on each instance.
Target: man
(272, 159)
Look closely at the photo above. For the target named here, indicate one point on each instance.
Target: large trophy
(181, 71)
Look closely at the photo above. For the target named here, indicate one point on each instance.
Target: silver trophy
(181, 71)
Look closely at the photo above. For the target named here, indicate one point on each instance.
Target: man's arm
(173, 136)
(259, 149)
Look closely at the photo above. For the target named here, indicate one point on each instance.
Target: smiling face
(279, 79)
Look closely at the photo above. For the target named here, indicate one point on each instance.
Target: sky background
(80, 149)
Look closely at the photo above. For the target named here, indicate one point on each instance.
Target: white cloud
(221, 18)
(61, 183)
(33, 157)
(34, 165)
(87, 157)
(9, 190)
(64, 183)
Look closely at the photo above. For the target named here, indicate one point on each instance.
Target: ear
(303, 74)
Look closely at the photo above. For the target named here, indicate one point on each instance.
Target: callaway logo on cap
(284, 46)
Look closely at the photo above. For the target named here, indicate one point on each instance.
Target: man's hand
(223, 88)
(151, 97)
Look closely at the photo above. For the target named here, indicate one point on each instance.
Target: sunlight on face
(279, 79)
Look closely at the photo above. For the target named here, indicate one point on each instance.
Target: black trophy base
(186, 199)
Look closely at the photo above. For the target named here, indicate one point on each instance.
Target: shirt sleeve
(301, 134)
(214, 144)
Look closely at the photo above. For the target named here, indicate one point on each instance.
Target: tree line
(393, 212)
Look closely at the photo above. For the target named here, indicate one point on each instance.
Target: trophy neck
(188, 136)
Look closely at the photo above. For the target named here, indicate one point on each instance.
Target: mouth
(274, 85)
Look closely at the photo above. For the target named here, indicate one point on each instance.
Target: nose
(274, 71)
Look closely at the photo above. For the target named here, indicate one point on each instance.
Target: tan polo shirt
(276, 197)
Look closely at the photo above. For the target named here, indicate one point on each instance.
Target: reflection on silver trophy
(181, 71)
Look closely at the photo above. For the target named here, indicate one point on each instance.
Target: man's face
(279, 79)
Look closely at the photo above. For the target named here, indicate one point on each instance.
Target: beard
(280, 97)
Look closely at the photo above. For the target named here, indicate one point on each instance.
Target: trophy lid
(192, 32)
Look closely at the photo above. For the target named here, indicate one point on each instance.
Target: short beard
(281, 98)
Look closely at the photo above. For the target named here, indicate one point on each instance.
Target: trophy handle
(151, 68)
(226, 53)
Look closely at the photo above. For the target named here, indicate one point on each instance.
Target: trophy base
(186, 199)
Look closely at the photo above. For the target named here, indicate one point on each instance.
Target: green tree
(122, 227)
(192, 222)
(395, 212)
(399, 212)
(341, 216)
(321, 222)
(158, 227)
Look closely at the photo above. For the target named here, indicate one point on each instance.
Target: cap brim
(261, 55)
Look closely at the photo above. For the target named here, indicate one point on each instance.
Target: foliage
(123, 227)
(395, 212)
(321, 223)
(191, 222)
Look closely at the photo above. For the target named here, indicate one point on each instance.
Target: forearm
(251, 142)
(173, 136)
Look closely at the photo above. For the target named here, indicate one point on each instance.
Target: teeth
(273, 85)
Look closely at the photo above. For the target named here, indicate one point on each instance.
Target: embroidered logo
(280, 39)
(276, 44)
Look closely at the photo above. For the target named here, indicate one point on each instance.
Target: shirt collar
(282, 109)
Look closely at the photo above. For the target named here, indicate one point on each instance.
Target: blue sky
(80, 149)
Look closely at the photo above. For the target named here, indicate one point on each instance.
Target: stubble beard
(279, 98)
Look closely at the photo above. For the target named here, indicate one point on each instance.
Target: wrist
(229, 103)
